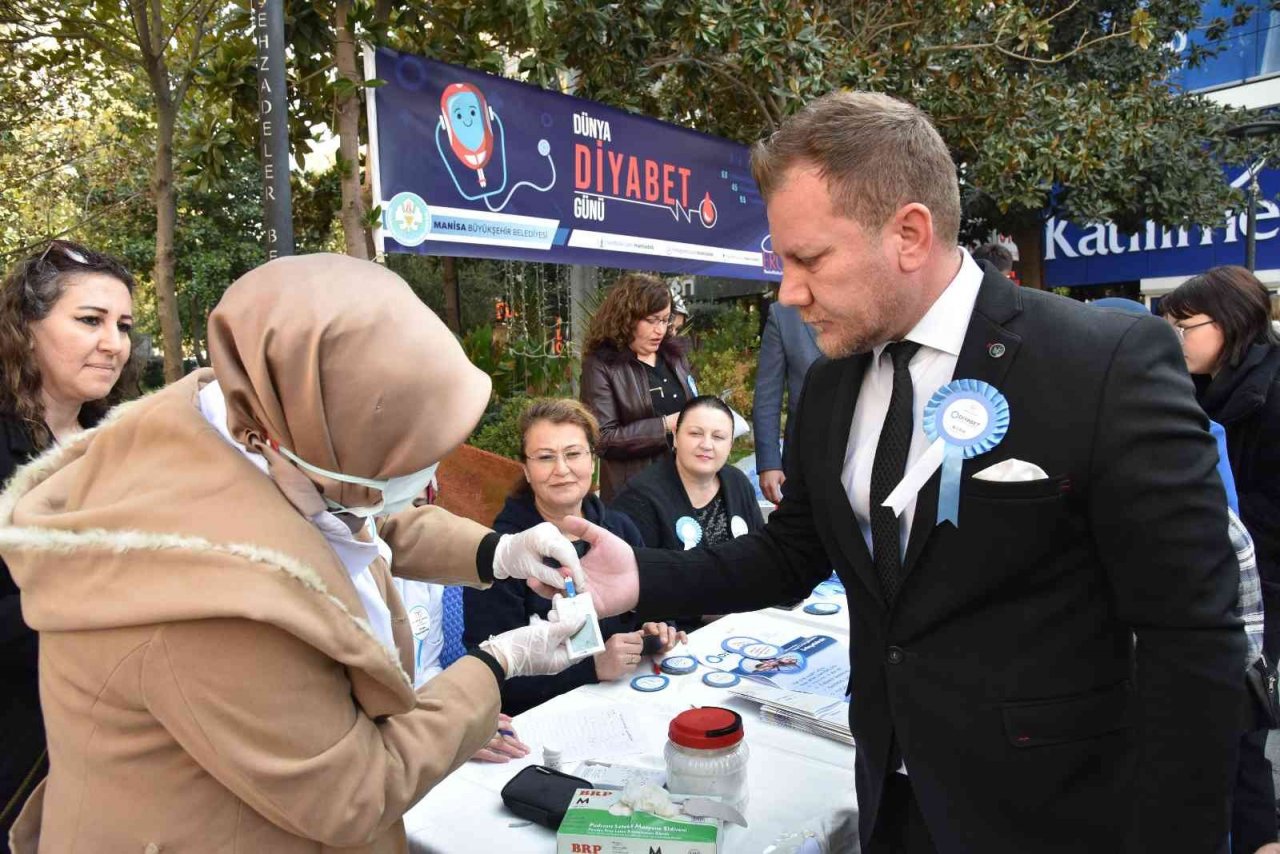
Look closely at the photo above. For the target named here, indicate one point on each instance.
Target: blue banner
(465, 163)
(1097, 254)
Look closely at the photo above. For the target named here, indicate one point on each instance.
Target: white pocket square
(1012, 471)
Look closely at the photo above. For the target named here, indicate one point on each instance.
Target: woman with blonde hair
(635, 378)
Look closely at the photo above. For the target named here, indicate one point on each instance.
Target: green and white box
(589, 828)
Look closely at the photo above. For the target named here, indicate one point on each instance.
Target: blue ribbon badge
(963, 419)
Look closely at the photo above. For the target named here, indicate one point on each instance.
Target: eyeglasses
(658, 321)
(1181, 331)
(571, 457)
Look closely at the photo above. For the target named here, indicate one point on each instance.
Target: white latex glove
(520, 556)
(536, 649)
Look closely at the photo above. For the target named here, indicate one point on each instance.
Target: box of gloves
(638, 820)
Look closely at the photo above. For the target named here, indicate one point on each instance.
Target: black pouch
(542, 794)
(1261, 682)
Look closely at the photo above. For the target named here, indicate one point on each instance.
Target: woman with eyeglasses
(1222, 318)
(558, 439)
(65, 317)
(635, 378)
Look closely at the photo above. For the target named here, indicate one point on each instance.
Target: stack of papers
(796, 709)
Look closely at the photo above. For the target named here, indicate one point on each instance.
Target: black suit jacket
(1062, 671)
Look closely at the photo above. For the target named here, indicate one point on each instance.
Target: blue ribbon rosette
(963, 419)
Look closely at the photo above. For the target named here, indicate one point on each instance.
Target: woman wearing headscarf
(223, 656)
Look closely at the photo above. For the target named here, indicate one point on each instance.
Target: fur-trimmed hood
(151, 518)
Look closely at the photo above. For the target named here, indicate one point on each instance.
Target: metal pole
(273, 127)
(1251, 224)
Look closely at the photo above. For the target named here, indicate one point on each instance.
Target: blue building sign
(1097, 254)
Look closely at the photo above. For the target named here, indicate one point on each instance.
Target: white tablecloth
(793, 776)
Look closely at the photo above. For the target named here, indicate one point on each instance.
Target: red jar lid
(707, 728)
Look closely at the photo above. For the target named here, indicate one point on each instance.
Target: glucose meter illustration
(474, 131)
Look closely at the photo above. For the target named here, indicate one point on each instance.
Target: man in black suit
(1059, 671)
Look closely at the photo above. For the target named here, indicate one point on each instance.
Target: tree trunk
(166, 226)
(348, 121)
(452, 296)
(1029, 237)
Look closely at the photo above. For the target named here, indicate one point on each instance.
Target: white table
(793, 776)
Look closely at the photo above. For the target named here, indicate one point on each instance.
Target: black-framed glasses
(1181, 331)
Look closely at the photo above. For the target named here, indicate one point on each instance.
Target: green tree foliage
(1049, 106)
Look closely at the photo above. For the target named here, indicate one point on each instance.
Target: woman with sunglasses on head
(558, 439)
(224, 660)
(65, 316)
(635, 378)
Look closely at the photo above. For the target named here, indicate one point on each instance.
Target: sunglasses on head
(64, 250)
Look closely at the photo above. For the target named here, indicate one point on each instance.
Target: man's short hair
(995, 255)
(877, 154)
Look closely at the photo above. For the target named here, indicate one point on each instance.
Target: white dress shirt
(356, 555)
(941, 334)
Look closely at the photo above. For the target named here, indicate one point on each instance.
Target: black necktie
(888, 468)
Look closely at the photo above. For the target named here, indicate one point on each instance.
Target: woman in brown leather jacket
(635, 378)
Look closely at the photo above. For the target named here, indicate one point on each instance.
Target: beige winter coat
(217, 689)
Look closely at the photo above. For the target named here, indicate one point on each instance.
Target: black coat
(615, 387)
(1246, 401)
(1061, 671)
(509, 603)
(22, 740)
(655, 499)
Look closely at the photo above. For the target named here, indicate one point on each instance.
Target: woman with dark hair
(558, 441)
(635, 378)
(692, 498)
(65, 316)
(1223, 320)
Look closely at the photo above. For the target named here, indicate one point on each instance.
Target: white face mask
(397, 492)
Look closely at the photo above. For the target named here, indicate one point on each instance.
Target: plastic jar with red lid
(706, 755)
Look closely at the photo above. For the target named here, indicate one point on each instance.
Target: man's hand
(620, 657)
(771, 482)
(610, 566)
(504, 746)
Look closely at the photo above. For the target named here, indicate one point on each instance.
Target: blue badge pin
(649, 683)
(717, 679)
(688, 531)
(963, 419)
(678, 665)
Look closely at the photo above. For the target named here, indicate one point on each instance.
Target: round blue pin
(649, 683)
(678, 665)
(737, 643)
(718, 679)
(823, 609)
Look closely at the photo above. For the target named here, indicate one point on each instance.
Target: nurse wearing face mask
(224, 658)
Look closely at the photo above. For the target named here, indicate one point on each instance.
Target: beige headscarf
(337, 360)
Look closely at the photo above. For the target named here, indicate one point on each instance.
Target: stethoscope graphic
(468, 121)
